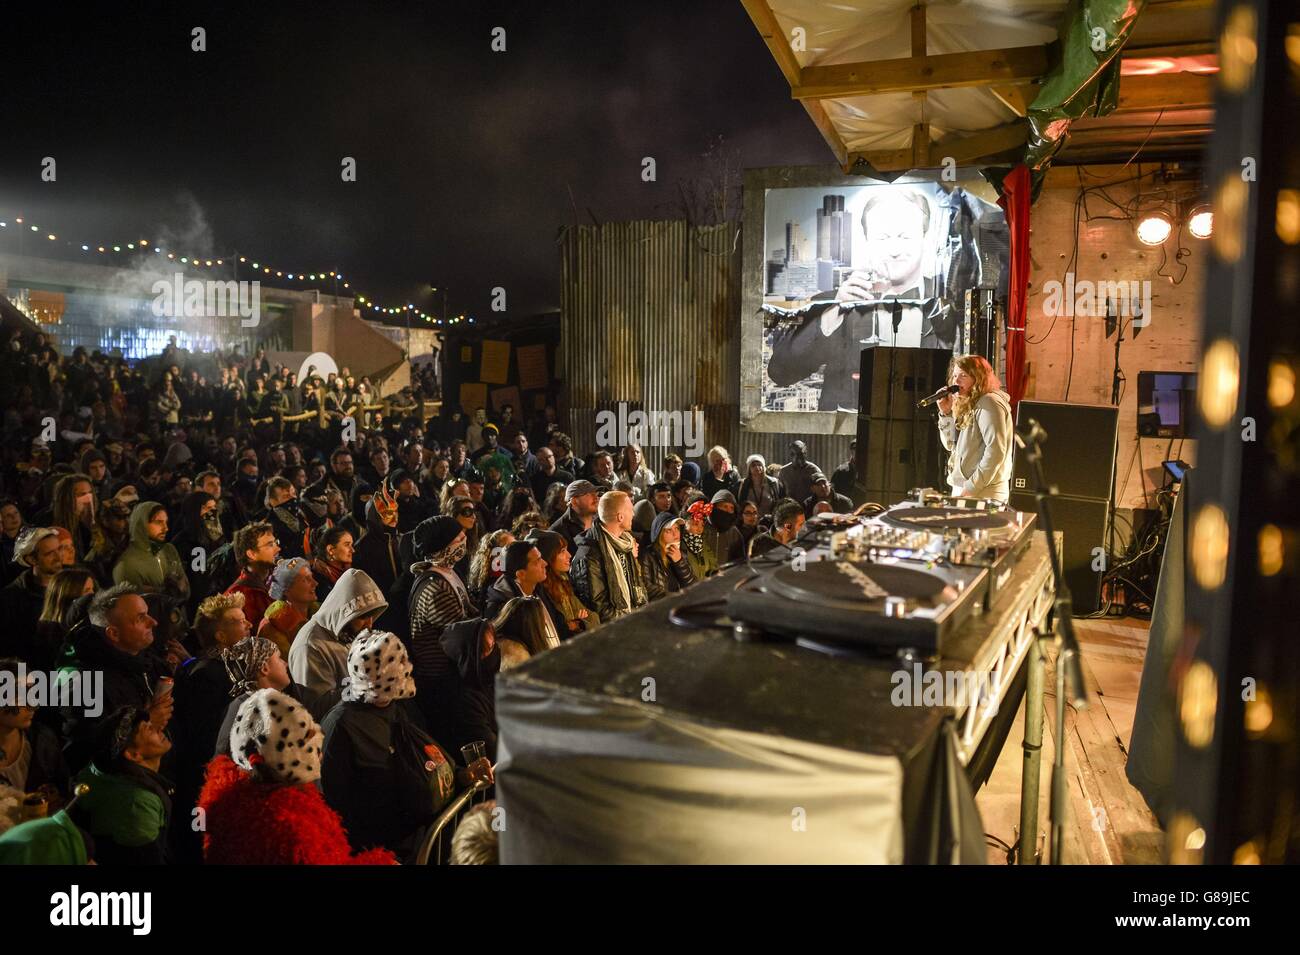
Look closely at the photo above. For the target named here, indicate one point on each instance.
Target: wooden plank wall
(1109, 251)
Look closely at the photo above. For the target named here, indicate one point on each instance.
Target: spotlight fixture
(1154, 228)
(1200, 222)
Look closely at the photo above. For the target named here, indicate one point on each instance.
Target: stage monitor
(835, 264)
(1165, 403)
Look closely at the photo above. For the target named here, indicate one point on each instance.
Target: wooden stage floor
(1109, 822)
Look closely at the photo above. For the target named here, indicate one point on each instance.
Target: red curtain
(1015, 201)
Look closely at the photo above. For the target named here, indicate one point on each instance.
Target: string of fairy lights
(257, 266)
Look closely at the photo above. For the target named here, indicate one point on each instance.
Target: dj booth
(650, 741)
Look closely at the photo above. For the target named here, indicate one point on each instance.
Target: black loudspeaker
(1079, 455)
(898, 444)
(1079, 459)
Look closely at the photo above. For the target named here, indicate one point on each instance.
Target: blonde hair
(986, 382)
(208, 617)
(718, 451)
(611, 502)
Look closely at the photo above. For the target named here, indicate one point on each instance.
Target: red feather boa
(253, 823)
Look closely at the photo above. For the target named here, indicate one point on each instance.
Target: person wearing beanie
(758, 487)
(720, 533)
(822, 491)
(260, 800)
(318, 655)
(582, 498)
(293, 600)
(128, 805)
(568, 613)
(151, 563)
(363, 775)
(658, 500)
(438, 598)
(523, 571)
(663, 561)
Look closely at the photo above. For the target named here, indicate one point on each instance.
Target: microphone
(943, 392)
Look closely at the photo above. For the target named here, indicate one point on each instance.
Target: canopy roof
(900, 85)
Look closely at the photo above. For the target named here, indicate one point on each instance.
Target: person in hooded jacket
(199, 531)
(109, 540)
(472, 648)
(720, 531)
(438, 598)
(358, 500)
(319, 653)
(150, 563)
(663, 561)
(377, 552)
(260, 799)
(362, 777)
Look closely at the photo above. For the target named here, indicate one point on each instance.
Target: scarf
(617, 548)
(244, 661)
(694, 543)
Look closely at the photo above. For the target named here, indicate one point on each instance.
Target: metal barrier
(436, 848)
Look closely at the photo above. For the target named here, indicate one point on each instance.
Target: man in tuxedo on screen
(895, 224)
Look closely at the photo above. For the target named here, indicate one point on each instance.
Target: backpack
(426, 775)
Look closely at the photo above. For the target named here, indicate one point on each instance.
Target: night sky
(465, 157)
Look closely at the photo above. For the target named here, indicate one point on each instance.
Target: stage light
(130, 245)
(34, 229)
(1201, 222)
(51, 237)
(85, 248)
(184, 259)
(117, 248)
(1154, 229)
(19, 221)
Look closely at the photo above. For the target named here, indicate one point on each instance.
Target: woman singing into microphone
(975, 425)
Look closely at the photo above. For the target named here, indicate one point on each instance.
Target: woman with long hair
(570, 616)
(52, 627)
(451, 490)
(631, 467)
(524, 629)
(483, 570)
(517, 502)
(975, 426)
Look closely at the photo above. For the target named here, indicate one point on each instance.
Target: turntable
(889, 604)
(974, 532)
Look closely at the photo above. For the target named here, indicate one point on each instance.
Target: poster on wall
(532, 367)
(850, 267)
(495, 362)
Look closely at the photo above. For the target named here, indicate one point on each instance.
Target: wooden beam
(1016, 98)
(968, 149)
(777, 42)
(1200, 48)
(918, 30)
(920, 145)
(988, 142)
(1167, 91)
(904, 74)
(779, 46)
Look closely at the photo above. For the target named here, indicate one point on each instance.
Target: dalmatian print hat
(275, 734)
(379, 669)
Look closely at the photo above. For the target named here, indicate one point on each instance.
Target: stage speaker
(898, 445)
(1079, 459)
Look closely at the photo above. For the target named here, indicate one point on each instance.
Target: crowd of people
(289, 602)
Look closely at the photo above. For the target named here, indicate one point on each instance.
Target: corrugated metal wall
(650, 316)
